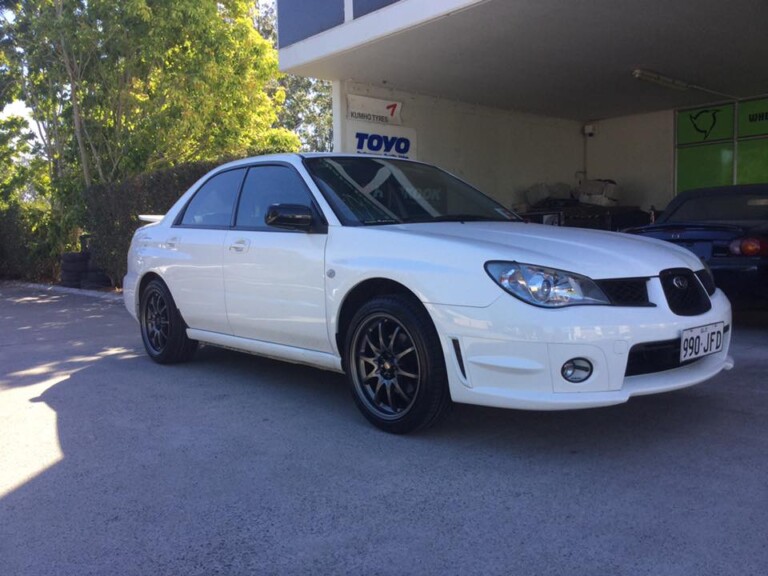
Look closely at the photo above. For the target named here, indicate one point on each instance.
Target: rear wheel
(395, 365)
(162, 328)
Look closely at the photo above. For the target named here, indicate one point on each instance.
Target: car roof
(713, 192)
(293, 157)
(724, 190)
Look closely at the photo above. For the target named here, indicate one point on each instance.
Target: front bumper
(509, 355)
(130, 282)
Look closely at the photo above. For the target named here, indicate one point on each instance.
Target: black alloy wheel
(163, 330)
(387, 366)
(395, 365)
(157, 322)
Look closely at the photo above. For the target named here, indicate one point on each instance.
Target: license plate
(701, 341)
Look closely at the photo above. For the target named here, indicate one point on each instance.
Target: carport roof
(559, 58)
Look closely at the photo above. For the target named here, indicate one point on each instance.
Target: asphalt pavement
(234, 464)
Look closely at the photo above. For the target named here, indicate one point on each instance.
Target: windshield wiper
(381, 221)
(455, 218)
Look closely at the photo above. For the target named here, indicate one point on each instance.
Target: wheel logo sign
(704, 122)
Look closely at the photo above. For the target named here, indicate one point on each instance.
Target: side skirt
(291, 354)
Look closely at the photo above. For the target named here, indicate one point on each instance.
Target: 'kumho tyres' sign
(373, 110)
(702, 125)
(753, 118)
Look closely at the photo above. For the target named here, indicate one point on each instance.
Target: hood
(594, 253)
(703, 229)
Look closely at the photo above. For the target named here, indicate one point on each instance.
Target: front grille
(626, 291)
(706, 279)
(685, 294)
(652, 357)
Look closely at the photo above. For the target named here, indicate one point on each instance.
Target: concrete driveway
(232, 464)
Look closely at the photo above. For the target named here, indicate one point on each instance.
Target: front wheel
(162, 328)
(395, 365)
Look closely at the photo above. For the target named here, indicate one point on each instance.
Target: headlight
(545, 287)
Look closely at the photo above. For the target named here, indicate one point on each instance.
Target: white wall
(500, 152)
(503, 153)
(638, 153)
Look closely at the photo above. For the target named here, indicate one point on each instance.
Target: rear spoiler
(151, 217)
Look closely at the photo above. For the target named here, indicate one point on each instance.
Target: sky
(16, 108)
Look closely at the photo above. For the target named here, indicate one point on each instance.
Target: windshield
(371, 191)
(728, 207)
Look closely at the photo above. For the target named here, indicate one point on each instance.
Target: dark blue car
(727, 227)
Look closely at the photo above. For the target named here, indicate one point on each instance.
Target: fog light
(576, 370)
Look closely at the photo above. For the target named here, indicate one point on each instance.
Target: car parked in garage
(421, 289)
(727, 227)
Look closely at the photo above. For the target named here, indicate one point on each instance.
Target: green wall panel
(705, 124)
(753, 118)
(753, 161)
(704, 166)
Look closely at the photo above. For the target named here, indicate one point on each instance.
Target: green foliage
(113, 209)
(209, 98)
(307, 112)
(31, 236)
(9, 84)
(14, 144)
(120, 88)
(32, 239)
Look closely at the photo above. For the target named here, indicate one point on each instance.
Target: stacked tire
(95, 279)
(73, 266)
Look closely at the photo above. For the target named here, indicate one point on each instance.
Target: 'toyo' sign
(367, 138)
(382, 144)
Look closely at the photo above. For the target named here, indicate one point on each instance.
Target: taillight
(749, 247)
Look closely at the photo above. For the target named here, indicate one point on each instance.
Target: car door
(275, 278)
(195, 246)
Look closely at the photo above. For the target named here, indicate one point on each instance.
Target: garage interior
(529, 98)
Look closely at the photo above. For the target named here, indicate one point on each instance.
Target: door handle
(239, 246)
(172, 243)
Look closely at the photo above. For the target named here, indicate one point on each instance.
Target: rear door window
(214, 203)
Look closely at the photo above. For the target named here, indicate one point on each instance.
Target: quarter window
(265, 186)
(212, 205)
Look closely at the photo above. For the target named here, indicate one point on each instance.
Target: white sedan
(421, 289)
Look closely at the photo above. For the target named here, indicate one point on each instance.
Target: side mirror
(290, 217)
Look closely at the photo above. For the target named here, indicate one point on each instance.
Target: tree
(118, 88)
(27, 245)
(122, 87)
(307, 112)
(307, 108)
(14, 143)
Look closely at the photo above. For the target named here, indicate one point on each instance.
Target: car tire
(395, 365)
(163, 330)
